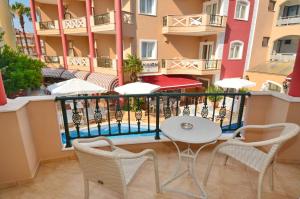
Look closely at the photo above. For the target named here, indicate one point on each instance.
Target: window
(291, 11)
(287, 42)
(271, 6)
(265, 41)
(236, 50)
(242, 10)
(148, 49)
(147, 7)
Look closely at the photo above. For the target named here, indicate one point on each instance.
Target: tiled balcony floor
(62, 179)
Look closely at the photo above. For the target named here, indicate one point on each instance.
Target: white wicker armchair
(112, 169)
(248, 154)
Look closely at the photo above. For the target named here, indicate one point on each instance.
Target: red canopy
(172, 82)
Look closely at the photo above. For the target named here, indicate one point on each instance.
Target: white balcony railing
(194, 20)
(74, 23)
(78, 61)
(285, 57)
(288, 20)
(195, 64)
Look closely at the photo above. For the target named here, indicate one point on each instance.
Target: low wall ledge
(281, 96)
(18, 103)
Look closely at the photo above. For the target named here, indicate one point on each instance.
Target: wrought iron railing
(108, 18)
(104, 62)
(114, 115)
(52, 59)
(288, 20)
(102, 19)
(47, 25)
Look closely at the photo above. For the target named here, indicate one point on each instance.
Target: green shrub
(214, 89)
(19, 71)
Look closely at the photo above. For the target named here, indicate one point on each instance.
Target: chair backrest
(289, 130)
(100, 166)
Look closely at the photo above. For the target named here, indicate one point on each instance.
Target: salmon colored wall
(106, 45)
(80, 45)
(260, 78)
(268, 109)
(263, 28)
(103, 6)
(76, 8)
(48, 12)
(235, 30)
(53, 46)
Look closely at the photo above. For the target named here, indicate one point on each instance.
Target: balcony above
(194, 25)
(78, 63)
(53, 61)
(105, 23)
(105, 65)
(190, 66)
(49, 28)
(291, 20)
(76, 26)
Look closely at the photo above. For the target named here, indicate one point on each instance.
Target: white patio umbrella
(235, 83)
(75, 87)
(137, 88)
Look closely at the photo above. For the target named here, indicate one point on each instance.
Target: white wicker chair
(112, 169)
(248, 154)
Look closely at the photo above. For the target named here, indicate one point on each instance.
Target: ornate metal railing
(114, 115)
(47, 25)
(104, 62)
(197, 64)
(52, 59)
(194, 20)
(74, 23)
(109, 18)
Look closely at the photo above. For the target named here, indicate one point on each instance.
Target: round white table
(203, 132)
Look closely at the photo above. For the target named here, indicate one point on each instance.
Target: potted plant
(214, 99)
(133, 65)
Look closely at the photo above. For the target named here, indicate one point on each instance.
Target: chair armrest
(252, 144)
(256, 127)
(146, 152)
(100, 138)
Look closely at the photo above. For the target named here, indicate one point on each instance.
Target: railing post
(66, 126)
(157, 130)
(241, 111)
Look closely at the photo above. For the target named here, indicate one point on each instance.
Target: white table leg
(191, 165)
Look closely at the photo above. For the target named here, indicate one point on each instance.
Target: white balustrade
(195, 20)
(78, 61)
(150, 66)
(195, 64)
(74, 23)
(288, 20)
(285, 57)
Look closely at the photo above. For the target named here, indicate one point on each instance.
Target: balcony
(53, 61)
(105, 23)
(47, 28)
(105, 65)
(76, 26)
(291, 20)
(194, 25)
(284, 57)
(33, 151)
(191, 66)
(78, 63)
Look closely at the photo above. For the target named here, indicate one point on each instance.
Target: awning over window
(172, 82)
(81, 74)
(52, 72)
(68, 74)
(104, 80)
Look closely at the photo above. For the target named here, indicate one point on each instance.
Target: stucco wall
(80, 45)
(53, 46)
(49, 12)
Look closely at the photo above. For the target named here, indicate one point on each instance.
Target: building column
(36, 36)
(89, 13)
(61, 30)
(119, 40)
(295, 83)
(3, 98)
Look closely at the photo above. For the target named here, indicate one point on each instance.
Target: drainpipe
(89, 13)
(61, 30)
(3, 98)
(36, 36)
(295, 83)
(119, 40)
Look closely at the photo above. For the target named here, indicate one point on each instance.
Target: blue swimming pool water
(114, 130)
